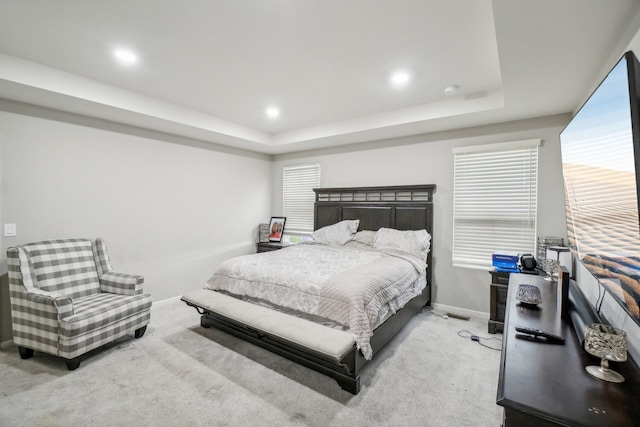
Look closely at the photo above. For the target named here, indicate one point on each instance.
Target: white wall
(428, 159)
(168, 211)
(173, 212)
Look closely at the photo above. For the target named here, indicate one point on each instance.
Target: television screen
(599, 149)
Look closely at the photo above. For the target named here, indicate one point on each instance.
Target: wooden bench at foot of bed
(324, 349)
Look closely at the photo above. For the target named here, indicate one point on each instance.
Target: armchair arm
(121, 283)
(36, 317)
(27, 298)
(45, 305)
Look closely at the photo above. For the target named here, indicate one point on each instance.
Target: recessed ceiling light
(272, 112)
(400, 78)
(451, 89)
(125, 56)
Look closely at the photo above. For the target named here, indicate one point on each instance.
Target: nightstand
(498, 300)
(270, 246)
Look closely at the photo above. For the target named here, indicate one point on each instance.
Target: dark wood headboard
(405, 207)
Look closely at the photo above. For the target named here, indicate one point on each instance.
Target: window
(298, 197)
(494, 201)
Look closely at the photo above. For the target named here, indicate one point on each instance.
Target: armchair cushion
(100, 312)
(72, 347)
(66, 266)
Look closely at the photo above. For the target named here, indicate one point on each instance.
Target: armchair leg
(72, 364)
(140, 332)
(25, 352)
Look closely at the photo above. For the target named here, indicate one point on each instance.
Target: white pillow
(336, 234)
(414, 242)
(365, 237)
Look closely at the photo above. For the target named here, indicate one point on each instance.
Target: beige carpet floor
(180, 374)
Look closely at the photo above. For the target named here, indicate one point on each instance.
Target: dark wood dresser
(547, 385)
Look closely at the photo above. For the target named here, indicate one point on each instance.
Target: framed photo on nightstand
(276, 228)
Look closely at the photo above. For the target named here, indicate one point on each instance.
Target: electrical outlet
(9, 230)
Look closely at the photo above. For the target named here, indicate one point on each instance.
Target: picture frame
(276, 228)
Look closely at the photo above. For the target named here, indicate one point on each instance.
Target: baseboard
(444, 309)
(167, 300)
(6, 344)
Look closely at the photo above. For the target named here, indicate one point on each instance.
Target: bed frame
(399, 207)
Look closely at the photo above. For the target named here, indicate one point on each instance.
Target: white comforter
(353, 287)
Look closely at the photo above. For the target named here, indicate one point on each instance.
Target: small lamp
(608, 343)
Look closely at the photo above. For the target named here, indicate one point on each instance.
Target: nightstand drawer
(501, 294)
(272, 246)
(269, 246)
(500, 278)
(501, 310)
(497, 298)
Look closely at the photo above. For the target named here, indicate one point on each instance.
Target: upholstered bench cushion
(99, 311)
(323, 339)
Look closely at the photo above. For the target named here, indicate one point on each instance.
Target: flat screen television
(601, 165)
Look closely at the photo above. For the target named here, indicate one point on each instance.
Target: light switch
(9, 230)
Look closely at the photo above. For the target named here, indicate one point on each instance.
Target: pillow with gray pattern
(414, 242)
(336, 234)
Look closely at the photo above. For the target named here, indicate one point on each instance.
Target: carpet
(181, 374)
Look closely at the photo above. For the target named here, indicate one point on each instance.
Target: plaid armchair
(66, 300)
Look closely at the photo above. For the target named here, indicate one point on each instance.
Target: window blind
(494, 201)
(298, 197)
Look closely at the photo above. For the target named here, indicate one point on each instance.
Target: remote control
(538, 333)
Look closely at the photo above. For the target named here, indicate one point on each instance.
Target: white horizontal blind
(494, 201)
(298, 197)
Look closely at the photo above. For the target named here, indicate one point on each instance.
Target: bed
(335, 352)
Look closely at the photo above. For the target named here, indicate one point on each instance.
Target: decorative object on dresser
(388, 217)
(548, 264)
(562, 255)
(276, 228)
(550, 267)
(607, 343)
(528, 294)
(541, 384)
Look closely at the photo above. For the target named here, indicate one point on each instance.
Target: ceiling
(207, 70)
